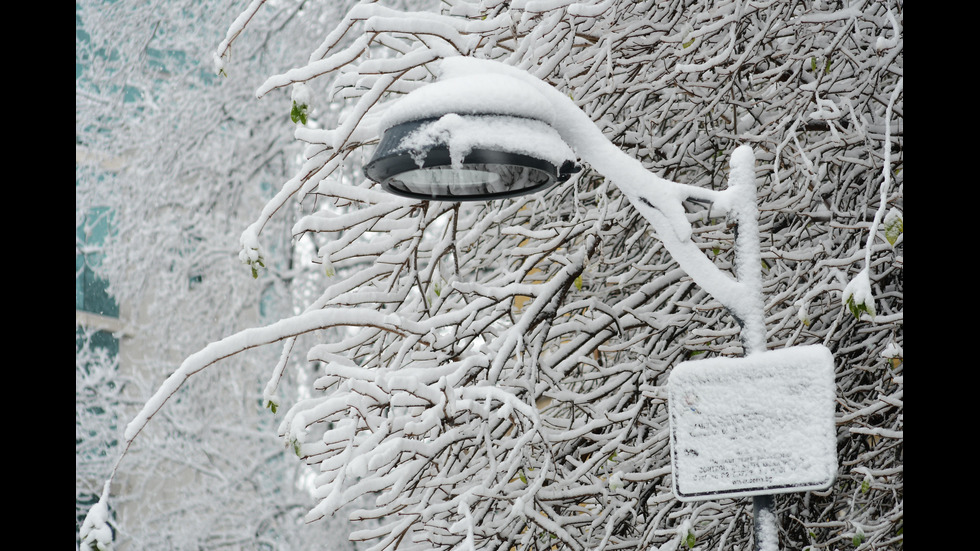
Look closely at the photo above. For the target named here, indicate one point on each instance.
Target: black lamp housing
(484, 173)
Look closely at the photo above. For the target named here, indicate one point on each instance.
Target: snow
(886, 43)
(462, 134)
(893, 351)
(615, 482)
(95, 532)
(472, 94)
(748, 304)
(302, 94)
(767, 531)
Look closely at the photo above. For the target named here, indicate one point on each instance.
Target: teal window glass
(91, 291)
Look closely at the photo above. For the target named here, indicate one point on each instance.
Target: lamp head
(468, 158)
(470, 138)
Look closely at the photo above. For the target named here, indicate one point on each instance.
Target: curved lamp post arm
(659, 200)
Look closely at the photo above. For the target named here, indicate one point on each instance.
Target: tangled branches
(524, 406)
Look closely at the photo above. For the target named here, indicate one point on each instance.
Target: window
(91, 292)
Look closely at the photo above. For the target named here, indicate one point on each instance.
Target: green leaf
(578, 282)
(813, 64)
(865, 486)
(254, 265)
(827, 67)
(893, 228)
(272, 405)
(522, 477)
(688, 43)
(690, 540)
(857, 309)
(298, 112)
(858, 539)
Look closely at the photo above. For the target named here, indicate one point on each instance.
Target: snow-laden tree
(176, 160)
(499, 380)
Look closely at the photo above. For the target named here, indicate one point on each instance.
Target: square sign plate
(763, 424)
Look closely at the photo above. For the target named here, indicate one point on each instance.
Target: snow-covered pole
(660, 201)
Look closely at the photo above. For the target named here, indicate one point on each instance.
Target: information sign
(761, 424)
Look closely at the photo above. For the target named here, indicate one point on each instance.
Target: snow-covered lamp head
(470, 137)
(440, 158)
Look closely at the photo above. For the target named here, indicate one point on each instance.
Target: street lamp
(486, 131)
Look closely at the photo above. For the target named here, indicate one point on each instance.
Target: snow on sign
(757, 425)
